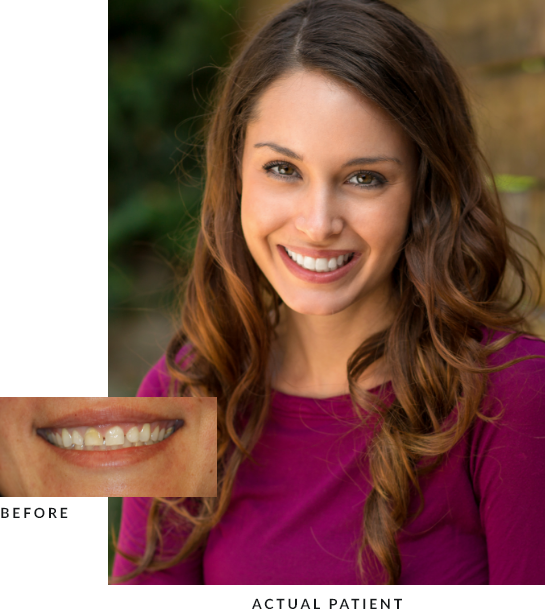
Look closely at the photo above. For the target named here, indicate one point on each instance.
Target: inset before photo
(123, 447)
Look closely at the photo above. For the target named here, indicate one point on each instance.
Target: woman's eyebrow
(353, 162)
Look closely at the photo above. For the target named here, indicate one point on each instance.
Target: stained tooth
(51, 437)
(58, 439)
(132, 434)
(66, 438)
(340, 260)
(169, 431)
(161, 435)
(145, 433)
(92, 437)
(345, 258)
(114, 436)
(155, 434)
(332, 264)
(77, 438)
(300, 259)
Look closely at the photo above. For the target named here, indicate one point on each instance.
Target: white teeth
(66, 438)
(145, 433)
(320, 264)
(114, 436)
(133, 434)
(111, 437)
(77, 438)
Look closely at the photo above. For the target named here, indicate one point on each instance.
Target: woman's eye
(362, 179)
(365, 179)
(284, 167)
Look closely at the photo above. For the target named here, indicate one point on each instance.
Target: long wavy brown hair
(457, 275)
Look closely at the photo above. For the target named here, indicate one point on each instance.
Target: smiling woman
(358, 310)
(72, 447)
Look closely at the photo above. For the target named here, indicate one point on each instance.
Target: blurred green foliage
(163, 59)
(511, 183)
(515, 183)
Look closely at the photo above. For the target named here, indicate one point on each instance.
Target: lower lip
(122, 457)
(316, 277)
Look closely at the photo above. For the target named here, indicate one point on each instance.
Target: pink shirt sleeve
(156, 383)
(132, 540)
(507, 465)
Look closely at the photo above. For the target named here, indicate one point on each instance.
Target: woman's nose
(317, 215)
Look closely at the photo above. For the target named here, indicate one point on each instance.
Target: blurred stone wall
(498, 47)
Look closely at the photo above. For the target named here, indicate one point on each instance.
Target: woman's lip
(115, 414)
(122, 457)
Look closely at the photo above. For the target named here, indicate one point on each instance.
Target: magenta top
(296, 511)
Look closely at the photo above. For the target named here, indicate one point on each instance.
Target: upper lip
(318, 253)
(105, 416)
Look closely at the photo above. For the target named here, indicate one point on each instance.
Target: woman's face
(327, 182)
(118, 447)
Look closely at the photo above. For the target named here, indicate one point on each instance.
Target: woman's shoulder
(528, 356)
(517, 391)
(157, 381)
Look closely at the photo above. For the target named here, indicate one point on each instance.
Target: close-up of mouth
(117, 436)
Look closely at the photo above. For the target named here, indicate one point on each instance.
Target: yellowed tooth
(77, 438)
(169, 431)
(133, 435)
(155, 434)
(66, 438)
(92, 437)
(145, 433)
(58, 439)
(114, 436)
(161, 435)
